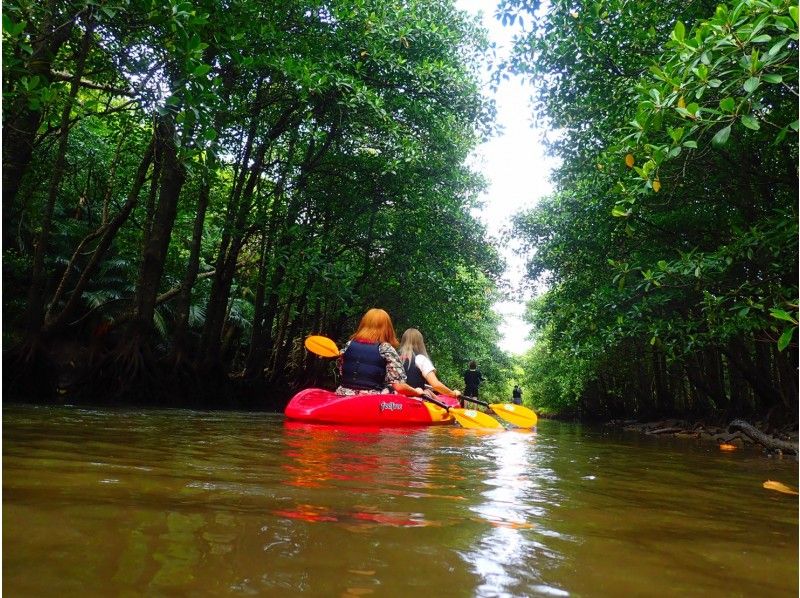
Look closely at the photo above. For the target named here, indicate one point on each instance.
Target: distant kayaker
(369, 362)
(418, 365)
(472, 380)
(516, 395)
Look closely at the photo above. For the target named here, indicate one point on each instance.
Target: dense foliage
(670, 245)
(190, 188)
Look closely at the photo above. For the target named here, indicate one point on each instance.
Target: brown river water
(188, 503)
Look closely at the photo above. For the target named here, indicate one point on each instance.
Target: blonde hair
(376, 327)
(411, 343)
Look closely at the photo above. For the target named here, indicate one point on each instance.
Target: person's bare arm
(437, 385)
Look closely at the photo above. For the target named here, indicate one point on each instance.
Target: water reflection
(518, 487)
(390, 462)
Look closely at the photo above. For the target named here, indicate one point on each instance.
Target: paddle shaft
(474, 400)
(461, 397)
(425, 397)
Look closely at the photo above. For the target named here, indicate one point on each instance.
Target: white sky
(516, 168)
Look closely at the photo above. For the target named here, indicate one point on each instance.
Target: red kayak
(317, 405)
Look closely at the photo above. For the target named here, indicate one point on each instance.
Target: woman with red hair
(369, 362)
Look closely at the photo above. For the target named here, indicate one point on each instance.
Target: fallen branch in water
(769, 442)
(669, 430)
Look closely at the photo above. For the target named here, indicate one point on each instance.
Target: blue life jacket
(414, 376)
(363, 367)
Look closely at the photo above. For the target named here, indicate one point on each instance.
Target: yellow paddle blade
(515, 414)
(322, 346)
(469, 418)
(778, 486)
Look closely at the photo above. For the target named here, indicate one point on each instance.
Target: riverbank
(778, 441)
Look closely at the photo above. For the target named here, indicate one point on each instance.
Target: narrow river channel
(180, 503)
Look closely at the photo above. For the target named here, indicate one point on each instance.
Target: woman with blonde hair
(418, 365)
(369, 363)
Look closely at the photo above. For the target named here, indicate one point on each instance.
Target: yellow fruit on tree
(656, 185)
(629, 161)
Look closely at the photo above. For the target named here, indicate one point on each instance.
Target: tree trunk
(109, 232)
(254, 363)
(226, 267)
(35, 309)
(19, 131)
(787, 371)
(231, 244)
(739, 358)
(184, 302)
(155, 251)
(79, 250)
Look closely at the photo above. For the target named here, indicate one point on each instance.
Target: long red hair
(376, 327)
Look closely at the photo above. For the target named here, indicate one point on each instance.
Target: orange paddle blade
(469, 418)
(322, 346)
(517, 415)
(779, 487)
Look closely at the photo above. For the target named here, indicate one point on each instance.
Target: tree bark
(184, 302)
(36, 301)
(738, 357)
(19, 131)
(232, 244)
(769, 442)
(155, 251)
(109, 232)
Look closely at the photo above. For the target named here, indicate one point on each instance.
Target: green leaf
(201, 70)
(679, 33)
(782, 315)
(786, 338)
(793, 12)
(691, 144)
(727, 104)
(773, 78)
(721, 138)
(761, 39)
(776, 47)
(619, 212)
(751, 84)
(750, 122)
(210, 134)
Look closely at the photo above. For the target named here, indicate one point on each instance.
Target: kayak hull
(316, 405)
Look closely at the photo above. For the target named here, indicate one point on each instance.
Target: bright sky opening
(517, 171)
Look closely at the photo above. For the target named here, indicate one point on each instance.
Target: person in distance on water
(418, 366)
(369, 363)
(472, 380)
(516, 395)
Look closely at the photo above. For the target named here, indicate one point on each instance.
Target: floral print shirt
(394, 371)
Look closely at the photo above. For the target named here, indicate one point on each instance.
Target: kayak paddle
(322, 346)
(469, 418)
(518, 415)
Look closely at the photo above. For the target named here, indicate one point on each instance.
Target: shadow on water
(185, 502)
